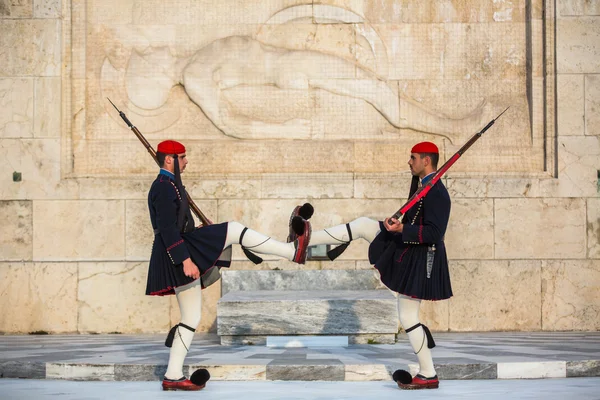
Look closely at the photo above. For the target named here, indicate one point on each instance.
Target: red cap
(170, 147)
(425, 147)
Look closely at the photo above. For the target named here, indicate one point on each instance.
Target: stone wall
(524, 234)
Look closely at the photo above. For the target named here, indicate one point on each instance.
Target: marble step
(365, 316)
(367, 279)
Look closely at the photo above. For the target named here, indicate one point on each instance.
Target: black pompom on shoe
(402, 376)
(306, 211)
(200, 377)
(298, 225)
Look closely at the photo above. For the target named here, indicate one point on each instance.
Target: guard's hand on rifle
(190, 269)
(209, 223)
(393, 225)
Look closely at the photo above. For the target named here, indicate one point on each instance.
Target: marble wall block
(233, 12)
(592, 7)
(111, 298)
(104, 12)
(139, 234)
(539, 228)
(470, 232)
(135, 188)
(568, 8)
(16, 107)
(495, 296)
(406, 11)
(223, 187)
(16, 9)
(210, 296)
(325, 13)
(578, 165)
(38, 161)
(259, 156)
(577, 49)
(380, 156)
(31, 47)
(16, 230)
(47, 8)
(570, 295)
(47, 111)
(489, 187)
(592, 104)
(38, 297)
(79, 230)
(382, 186)
(593, 228)
(435, 314)
(571, 109)
(307, 186)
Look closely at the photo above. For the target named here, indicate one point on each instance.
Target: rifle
(148, 146)
(422, 191)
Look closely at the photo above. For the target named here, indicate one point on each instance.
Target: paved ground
(457, 356)
(546, 389)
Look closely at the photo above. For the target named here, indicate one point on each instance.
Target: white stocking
(408, 310)
(257, 242)
(362, 227)
(189, 298)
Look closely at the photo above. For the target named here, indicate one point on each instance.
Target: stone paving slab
(497, 355)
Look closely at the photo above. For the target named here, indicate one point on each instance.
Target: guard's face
(416, 164)
(182, 161)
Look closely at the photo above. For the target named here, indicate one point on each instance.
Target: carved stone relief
(300, 78)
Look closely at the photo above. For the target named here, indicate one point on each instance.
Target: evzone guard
(186, 258)
(409, 252)
(410, 256)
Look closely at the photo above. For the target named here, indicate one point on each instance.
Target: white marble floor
(547, 389)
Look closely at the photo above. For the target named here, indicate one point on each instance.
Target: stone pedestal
(296, 303)
(362, 315)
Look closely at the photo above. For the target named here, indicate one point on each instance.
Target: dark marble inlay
(22, 369)
(583, 368)
(139, 372)
(305, 372)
